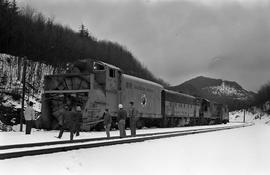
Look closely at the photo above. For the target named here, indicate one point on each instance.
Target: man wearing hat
(78, 120)
(121, 117)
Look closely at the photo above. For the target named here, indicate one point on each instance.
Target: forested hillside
(263, 96)
(26, 33)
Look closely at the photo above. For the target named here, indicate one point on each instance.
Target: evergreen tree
(83, 31)
(263, 95)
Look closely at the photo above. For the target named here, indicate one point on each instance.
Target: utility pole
(244, 119)
(23, 93)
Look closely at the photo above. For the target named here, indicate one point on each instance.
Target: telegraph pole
(23, 93)
(244, 119)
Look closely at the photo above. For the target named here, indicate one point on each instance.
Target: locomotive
(96, 85)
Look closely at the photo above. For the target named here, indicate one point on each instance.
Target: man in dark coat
(107, 122)
(121, 117)
(78, 122)
(68, 120)
(29, 115)
(132, 114)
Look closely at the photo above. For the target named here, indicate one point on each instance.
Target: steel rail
(9, 155)
(26, 145)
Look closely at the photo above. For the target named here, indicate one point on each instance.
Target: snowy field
(243, 151)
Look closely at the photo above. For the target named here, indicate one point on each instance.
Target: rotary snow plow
(82, 86)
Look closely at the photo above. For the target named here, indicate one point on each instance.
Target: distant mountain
(221, 91)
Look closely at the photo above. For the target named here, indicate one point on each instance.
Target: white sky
(178, 40)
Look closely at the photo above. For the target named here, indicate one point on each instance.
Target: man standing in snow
(29, 116)
(107, 122)
(68, 120)
(121, 117)
(132, 113)
(78, 120)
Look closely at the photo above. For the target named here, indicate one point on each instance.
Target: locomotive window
(98, 67)
(205, 108)
(112, 73)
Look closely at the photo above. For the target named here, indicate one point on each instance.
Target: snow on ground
(9, 138)
(243, 151)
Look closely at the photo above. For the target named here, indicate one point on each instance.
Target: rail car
(97, 85)
(179, 109)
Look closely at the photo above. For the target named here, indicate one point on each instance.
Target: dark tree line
(26, 33)
(263, 95)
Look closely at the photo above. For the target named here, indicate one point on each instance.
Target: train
(96, 85)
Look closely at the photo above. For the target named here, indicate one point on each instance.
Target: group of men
(71, 119)
(121, 120)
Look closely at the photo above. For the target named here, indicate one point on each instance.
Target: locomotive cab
(108, 77)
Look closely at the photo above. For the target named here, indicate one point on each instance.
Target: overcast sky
(179, 40)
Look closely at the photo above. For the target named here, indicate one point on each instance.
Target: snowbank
(258, 117)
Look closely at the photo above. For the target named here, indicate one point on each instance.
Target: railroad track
(31, 149)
